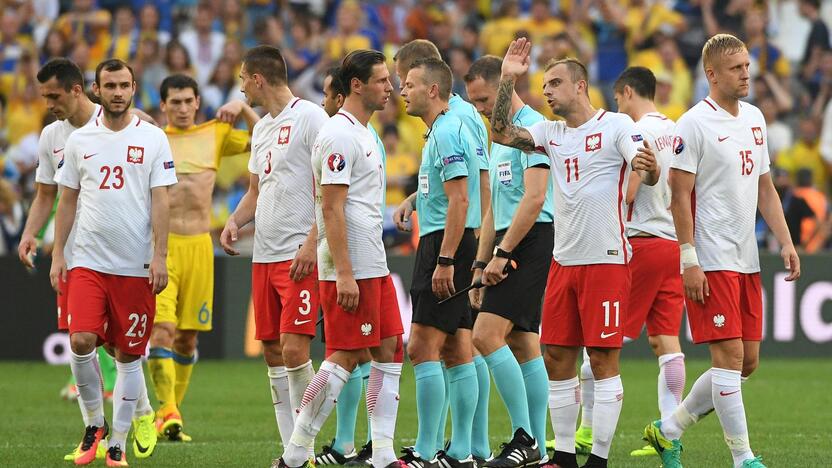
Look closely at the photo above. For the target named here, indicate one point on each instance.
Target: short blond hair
(720, 45)
(415, 50)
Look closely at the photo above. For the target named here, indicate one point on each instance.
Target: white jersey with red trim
(590, 166)
(281, 148)
(346, 153)
(650, 211)
(51, 157)
(51, 147)
(728, 154)
(115, 172)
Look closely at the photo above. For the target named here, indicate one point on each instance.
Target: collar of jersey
(427, 134)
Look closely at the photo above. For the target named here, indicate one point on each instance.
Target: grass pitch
(228, 412)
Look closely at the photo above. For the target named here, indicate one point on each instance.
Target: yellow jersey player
(185, 307)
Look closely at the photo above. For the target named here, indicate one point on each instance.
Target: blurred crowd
(789, 42)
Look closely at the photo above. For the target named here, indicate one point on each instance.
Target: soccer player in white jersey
(280, 202)
(118, 169)
(349, 173)
(591, 154)
(656, 296)
(62, 85)
(341, 451)
(721, 152)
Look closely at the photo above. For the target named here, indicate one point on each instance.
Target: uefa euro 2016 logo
(336, 162)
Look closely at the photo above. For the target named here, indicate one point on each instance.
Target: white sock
(609, 396)
(299, 378)
(727, 396)
(587, 392)
(88, 381)
(698, 403)
(671, 382)
(564, 403)
(129, 385)
(282, 402)
(383, 406)
(143, 407)
(318, 401)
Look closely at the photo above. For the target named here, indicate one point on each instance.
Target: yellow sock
(163, 375)
(184, 366)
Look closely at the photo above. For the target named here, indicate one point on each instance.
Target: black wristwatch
(478, 265)
(500, 253)
(445, 261)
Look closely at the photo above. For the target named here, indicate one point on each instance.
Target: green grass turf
(228, 412)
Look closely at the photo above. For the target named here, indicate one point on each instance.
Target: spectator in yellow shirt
(665, 58)
(498, 32)
(646, 18)
(125, 38)
(805, 154)
(402, 167)
(767, 57)
(347, 36)
(25, 107)
(541, 23)
(88, 25)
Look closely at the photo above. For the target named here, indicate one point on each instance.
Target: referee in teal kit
(448, 203)
(506, 331)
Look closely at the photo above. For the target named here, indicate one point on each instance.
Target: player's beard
(117, 114)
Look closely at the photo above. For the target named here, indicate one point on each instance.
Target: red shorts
(274, 292)
(63, 310)
(119, 309)
(584, 305)
(391, 319)
(376, 317)
(734, 308)
(657, 296)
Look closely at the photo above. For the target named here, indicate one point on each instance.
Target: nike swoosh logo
(131, 344)
(56, 151)
(301, 322)
(129, 399)
(605, 335)
(721, 393)
(87, 156)
(140, 448)
(552, 142)
(721, 139)
(368, 154)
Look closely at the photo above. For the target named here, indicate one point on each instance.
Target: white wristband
(687, 254)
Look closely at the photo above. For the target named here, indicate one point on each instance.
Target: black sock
(594, 461)
(565, 459)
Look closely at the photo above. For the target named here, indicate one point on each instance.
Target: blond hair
(415, 50)
(720, 45)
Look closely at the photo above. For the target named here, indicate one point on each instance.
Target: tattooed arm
(503, 131)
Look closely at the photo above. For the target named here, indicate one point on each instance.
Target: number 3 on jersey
(747, 163)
